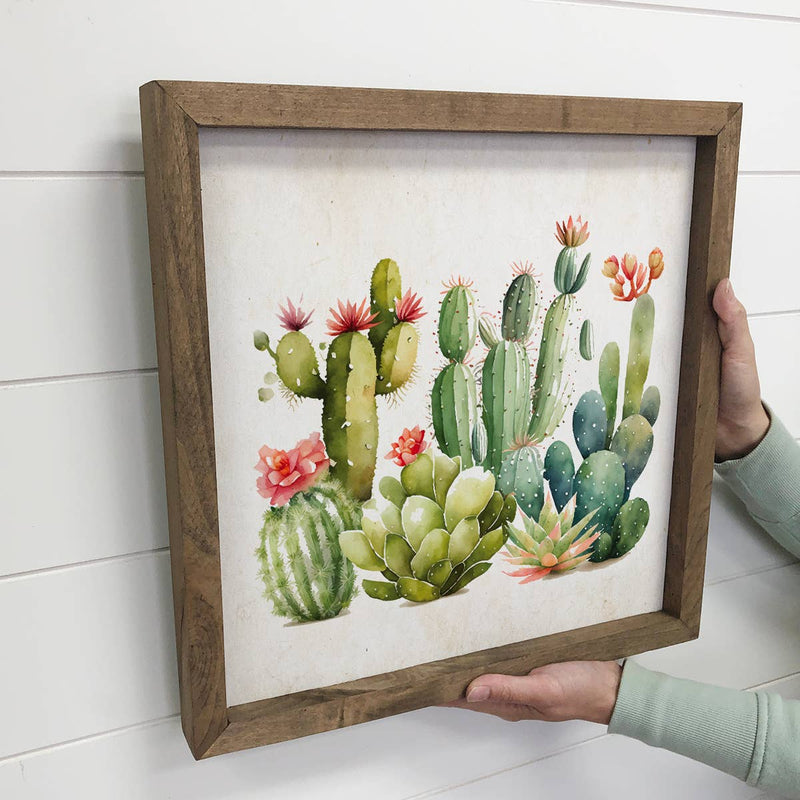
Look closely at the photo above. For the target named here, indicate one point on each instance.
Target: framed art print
(438, 377)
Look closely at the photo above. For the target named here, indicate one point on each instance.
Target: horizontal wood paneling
(92, 56)
(749, 627)
(780, 8)
(777, 341)
(86, 475)
(76, 269)
(93, 648)
(763, 271)
(611, 767)
(92, 271)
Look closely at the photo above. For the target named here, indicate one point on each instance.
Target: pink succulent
(409, 307)
(572, 234)
(287, 472)
(408, 446)
(293, 318)
(350, 318)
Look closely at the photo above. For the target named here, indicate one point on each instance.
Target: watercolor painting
(438, 524)
(445, 371)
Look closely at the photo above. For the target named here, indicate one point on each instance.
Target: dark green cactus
(633, 443)
(358, 368)
(306, 577)
(454, 396)
(589, 423)
(629, 526)
(587, 340)
(559, 471)
(521, 475)
(519, 305)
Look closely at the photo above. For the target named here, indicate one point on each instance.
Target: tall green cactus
(506, 373)
(358, 368)
(549, 392)
(453, 396)
(305, 574)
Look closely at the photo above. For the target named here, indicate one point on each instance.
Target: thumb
(526, 690)
(734, 333)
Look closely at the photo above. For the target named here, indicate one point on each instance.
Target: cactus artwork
(305, 575)
(359, 368)
(436, 530)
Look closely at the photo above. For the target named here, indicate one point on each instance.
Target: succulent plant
(359, 368)
(436, 532)
(305, 574)
(550, 543)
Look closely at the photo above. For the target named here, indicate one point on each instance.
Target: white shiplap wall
(88, 688)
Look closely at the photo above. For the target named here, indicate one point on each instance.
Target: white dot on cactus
(333, 354)
(349, 463)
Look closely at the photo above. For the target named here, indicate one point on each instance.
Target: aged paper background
(310, 213)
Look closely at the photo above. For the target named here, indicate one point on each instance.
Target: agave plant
(437, 531)
(551, 544)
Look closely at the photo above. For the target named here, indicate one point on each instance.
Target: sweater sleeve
(754, 736)
(767, 481)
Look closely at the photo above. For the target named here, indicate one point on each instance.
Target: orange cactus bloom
(409, 444)
(636, 275)
(284, 473)
(572, 234)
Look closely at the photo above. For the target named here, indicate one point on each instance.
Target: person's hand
(742, 421)
(572, 690)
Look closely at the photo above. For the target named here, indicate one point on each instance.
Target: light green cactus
(306, 577)
(454, 396)
(359, 368)
(437, 531)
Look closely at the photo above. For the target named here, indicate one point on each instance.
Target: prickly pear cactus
(436, 532)
(306, 576)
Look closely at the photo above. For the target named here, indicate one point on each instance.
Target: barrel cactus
(552, 543)
(305, 574)
(438, 529)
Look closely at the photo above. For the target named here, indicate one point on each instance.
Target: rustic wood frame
(171, 113)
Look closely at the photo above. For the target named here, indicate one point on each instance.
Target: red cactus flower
(350, 317)
(409, 307)
(287, 472)
(572, 234)
(409, 444)
(637, 276)
(293, 318)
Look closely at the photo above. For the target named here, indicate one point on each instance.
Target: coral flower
(637, 276)
(572, 234)
(350, 317)
(409, 307)
(287, 472)
(293, 318)
(408, 446)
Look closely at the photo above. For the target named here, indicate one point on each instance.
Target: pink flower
(350, 318)
(285, 473)
(293, 318)
(572, 234)
(408, 446)
(409, 307)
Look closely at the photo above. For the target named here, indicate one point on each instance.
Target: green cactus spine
(306, 576)
(454, 396)
(358, 368)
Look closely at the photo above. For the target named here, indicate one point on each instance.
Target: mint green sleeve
(752, 735)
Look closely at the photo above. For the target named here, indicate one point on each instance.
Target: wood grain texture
(171, 114)
(710, 241)
(252, 105)
(174, 212)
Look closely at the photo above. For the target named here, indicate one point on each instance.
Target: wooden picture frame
(172, 113)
